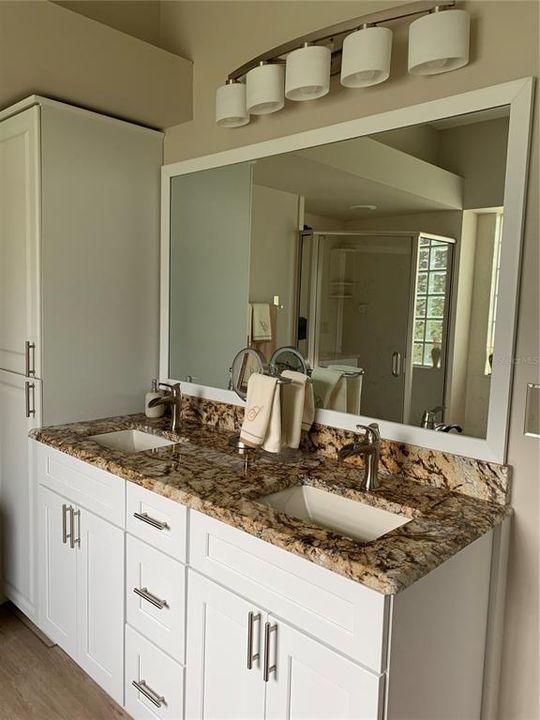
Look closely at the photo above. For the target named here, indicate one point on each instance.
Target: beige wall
(48, 50)
(274, 233)
(140, 18)
(219, 36)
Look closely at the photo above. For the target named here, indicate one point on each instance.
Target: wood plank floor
(40, 683)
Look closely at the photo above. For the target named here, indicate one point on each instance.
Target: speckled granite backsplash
(475, 478)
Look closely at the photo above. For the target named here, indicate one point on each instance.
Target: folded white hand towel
(329, 390)
(309, 407)
(353, 386)
(261, 324)
(272, 441)
(294, 415)
(259, 421)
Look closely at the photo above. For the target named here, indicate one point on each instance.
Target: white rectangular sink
(130, 441)
(334, 512)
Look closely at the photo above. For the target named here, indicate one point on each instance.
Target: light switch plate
(532, 411)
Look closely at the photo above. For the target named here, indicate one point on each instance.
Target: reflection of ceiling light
(363, 207)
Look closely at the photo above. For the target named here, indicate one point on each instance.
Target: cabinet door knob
(252, 618)
(155, 699)
(267, 668)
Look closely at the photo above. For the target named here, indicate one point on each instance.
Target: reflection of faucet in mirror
(441, 427)
(428, 418)
(369, 448)
(173, 399)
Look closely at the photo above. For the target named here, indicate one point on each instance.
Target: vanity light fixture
(439, 42)
(362, 207)
(231, 105)
(308, 72)
(359, 50)
(366, 57)
(264, 89)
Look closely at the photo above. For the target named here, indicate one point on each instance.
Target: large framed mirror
(386, 250)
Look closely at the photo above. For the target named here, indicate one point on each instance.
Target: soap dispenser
(158, 410)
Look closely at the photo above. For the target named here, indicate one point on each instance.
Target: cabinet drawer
(337, 611)
(161, 677)
(159, 613)
(96, 490)
(157, 520)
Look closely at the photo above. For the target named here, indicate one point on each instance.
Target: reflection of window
(493, 293)
(430, 302)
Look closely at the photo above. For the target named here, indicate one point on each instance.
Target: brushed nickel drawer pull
(267, 668)
(142, 687)
(252, 617)
(158, 524)
(75, 516)
(30, 389)
(29, 369)
(152, 599)
(65, 534)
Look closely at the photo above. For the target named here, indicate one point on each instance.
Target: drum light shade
(264, 89)
(307, 74)
(439, 42)
(231, 109)
(366, 57)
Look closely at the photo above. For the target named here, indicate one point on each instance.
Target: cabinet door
(219, 684)
(19, 397)
(100, 601)
(308, 681)
(57, 571)
(19, 274)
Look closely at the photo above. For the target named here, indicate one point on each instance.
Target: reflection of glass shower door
(364, 293)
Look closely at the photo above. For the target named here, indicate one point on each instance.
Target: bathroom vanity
(167, 574)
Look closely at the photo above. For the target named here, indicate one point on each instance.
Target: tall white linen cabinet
(79, 253)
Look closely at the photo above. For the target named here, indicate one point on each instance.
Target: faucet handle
(371, 431)
(175, 389)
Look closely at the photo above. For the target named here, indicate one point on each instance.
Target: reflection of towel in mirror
(353, 387)
(330, 389)
(297, 407)
(262, 417)
(265, 345)
(261, 324)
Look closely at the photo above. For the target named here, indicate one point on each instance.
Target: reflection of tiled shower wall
(476, 478)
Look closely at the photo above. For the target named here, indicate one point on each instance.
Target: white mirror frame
(517, 94)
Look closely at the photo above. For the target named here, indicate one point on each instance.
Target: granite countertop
(202, 472)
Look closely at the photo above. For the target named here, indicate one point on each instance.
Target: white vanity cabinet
(323, 646)
(245, 664)
(179, 616)
(79, 223)
(81, 565)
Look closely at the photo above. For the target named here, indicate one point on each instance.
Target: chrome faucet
(173, 399)
(369, 448)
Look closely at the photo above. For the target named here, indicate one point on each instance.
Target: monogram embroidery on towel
(253, 412)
